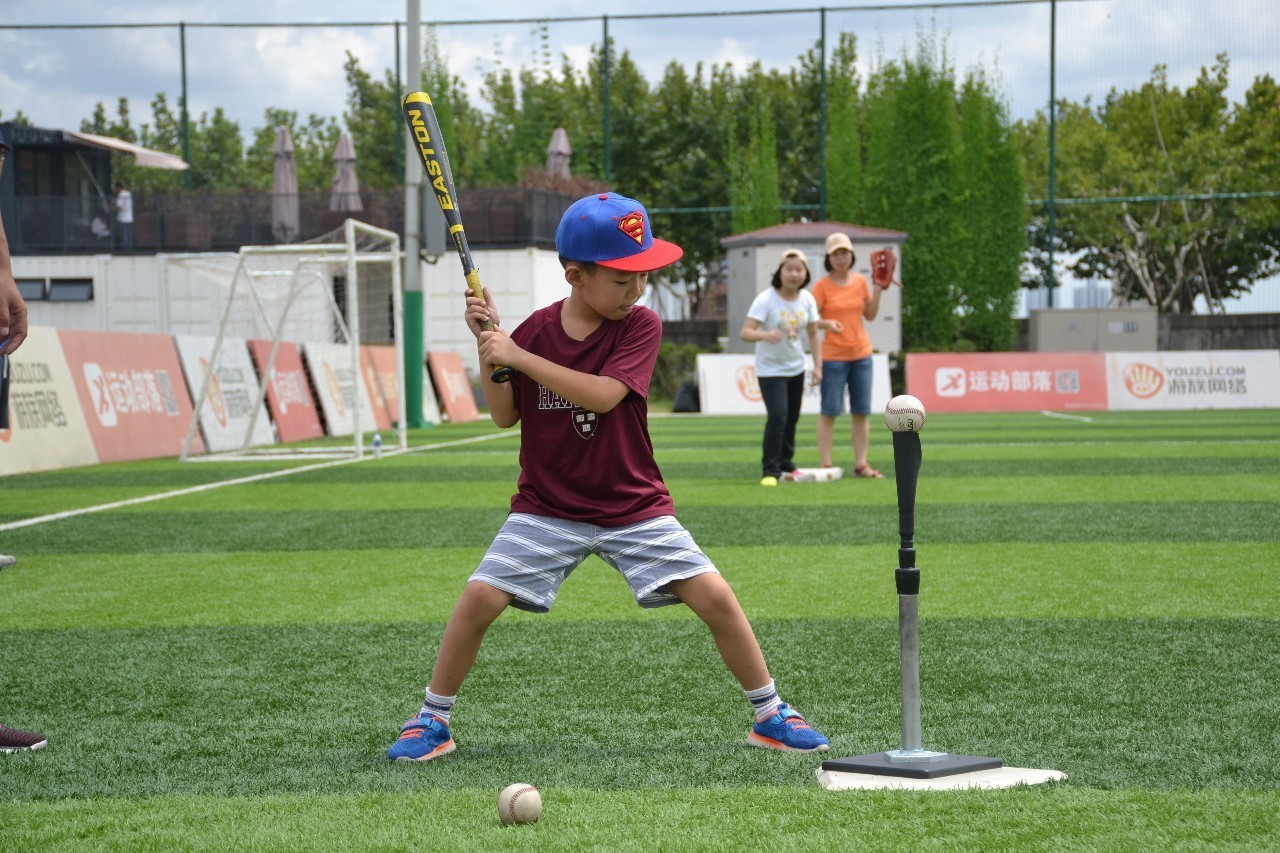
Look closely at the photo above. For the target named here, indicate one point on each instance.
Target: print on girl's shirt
(791, 322)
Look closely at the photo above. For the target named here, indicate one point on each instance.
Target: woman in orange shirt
(844, 298)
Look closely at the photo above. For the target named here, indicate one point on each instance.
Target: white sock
(438, 706)
(764, 701)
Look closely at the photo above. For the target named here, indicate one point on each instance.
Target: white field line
(238, 481)
(1049, 414)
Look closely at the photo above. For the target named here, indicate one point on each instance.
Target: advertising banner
(453, 387)
(378, 363)
(1230, 379)
(727, 385)
(430, 405)
(1007, 381)
(338, 390)
(288, 394)
(233, 392)
(46, 424)
(131, 389)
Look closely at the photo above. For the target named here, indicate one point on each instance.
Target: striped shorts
(533, 554)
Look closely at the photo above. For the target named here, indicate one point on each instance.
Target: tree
(216, 148)
(1160, 141)
(908, 151)
(164, 133)
(375, 124)
(123, 167)
(460, 123)
(632, 133)
(845, 201)
(993, 227)
(689, 160)
(314, 141)
(217, 153)
(498, 161)
(912, 183)
(755, 194)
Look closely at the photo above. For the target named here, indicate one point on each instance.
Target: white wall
(520, 281)
(157, 293)
(195, 302)
(129, 295)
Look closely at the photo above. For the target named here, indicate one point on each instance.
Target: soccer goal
(320, 323)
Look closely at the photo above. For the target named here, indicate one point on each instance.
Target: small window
(70, 289)
(31, 289)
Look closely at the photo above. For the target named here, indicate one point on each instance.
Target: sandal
(868, 472)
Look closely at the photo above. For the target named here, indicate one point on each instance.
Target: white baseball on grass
(904, 414)
(519, 803)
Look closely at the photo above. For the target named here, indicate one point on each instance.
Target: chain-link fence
(1081, 51)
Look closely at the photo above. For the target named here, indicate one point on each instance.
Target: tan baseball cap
(838, 241)
(787, 254)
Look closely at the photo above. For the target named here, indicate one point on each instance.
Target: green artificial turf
(225, 669)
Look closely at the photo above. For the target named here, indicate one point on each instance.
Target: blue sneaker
(423, 738)
(787, 731)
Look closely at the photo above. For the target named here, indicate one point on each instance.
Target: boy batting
(589, 483)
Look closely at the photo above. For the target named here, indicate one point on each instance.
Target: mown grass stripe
(642, 819)
(1141, 580)
(1161, 704)
(1241, 482)
(815, 524)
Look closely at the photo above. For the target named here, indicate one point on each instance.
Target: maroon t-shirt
(580, 465)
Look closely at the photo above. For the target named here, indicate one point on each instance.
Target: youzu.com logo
(1143, 380)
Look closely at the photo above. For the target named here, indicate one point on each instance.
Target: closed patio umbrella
(558, 153)
(284, 189)
(345, 195)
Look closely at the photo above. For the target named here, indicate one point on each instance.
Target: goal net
(308, 347)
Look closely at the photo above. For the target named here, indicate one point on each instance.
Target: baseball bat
(429, 141)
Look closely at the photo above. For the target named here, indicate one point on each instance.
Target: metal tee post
(912, 760)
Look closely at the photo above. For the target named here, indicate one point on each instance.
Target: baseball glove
(883, 264)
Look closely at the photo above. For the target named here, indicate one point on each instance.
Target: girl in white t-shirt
(775, 323)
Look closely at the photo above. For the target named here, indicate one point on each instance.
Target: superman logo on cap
(633, 226)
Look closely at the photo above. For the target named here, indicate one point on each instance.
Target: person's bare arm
(873, 304)
(591, 392)
(499, 397)
(13, 310)
(751, 332)
(815, 349)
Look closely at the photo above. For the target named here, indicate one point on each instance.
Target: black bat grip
(4, 391)
(502, 374)
(906, 465)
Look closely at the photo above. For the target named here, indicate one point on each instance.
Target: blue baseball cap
(613, 231)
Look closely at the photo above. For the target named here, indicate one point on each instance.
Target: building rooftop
(809, 232)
